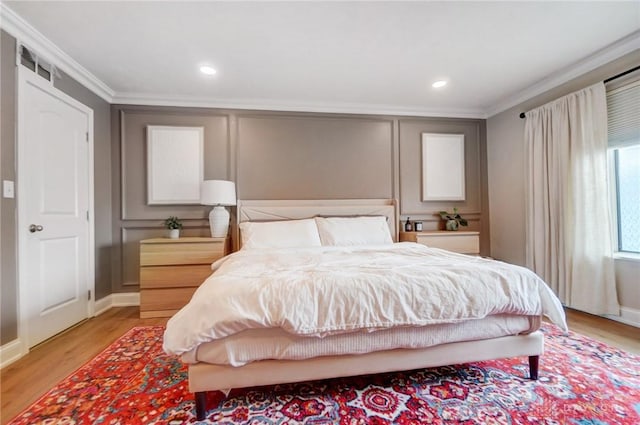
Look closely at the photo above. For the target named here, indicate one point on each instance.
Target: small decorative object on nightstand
(453, 220)
(174, 225)
(172, 269)
(407, 225)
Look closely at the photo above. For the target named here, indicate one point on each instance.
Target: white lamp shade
(217, 192)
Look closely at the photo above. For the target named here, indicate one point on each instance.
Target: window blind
(623, 115)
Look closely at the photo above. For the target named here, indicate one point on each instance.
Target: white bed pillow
(348, 231)
(279, 234)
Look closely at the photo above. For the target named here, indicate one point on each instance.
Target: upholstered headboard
(271, 210)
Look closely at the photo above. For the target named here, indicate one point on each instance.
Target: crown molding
(603, 56)
(32, 38)
(126, 98)
(15, 25)
(27, 34)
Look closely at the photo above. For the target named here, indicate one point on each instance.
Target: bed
(334, 296)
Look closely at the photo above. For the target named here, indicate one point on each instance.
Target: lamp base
(219, 222)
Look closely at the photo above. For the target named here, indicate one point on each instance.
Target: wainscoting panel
(286, 155)
(314, 157)
(411, 130)
(133, 159)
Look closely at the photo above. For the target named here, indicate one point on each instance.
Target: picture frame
(175, 164)
(443, 167)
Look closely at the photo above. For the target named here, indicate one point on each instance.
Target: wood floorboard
(609, 331)
(24, 381)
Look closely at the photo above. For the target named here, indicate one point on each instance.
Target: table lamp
(220, 193)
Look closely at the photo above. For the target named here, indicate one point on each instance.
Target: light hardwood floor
(609, 331)
(24, 381)
(27, 379)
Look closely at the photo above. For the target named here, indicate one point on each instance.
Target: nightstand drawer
(173, 277)
(165, 299)
(172, 269)
(176, 253)
(463, 242)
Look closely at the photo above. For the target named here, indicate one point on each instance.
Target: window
(627, 174)
(623, 105)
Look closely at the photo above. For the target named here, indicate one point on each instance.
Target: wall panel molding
(287, 155)
(314, 156)
(410, 134)
(133, 167)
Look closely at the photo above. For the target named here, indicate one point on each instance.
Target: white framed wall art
(443, 167)
(175, 164)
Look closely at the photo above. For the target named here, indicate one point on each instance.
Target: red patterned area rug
(133, 382)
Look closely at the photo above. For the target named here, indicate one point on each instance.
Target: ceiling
(377, 57)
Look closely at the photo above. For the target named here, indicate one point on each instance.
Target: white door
(54, 178)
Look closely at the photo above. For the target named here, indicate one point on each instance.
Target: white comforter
(330, 290)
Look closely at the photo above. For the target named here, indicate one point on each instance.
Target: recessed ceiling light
(207, 70)
(438, 84)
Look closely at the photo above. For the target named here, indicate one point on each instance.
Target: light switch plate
(8, 190)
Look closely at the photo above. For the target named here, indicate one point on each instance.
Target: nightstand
(463, 242)
(172, 269)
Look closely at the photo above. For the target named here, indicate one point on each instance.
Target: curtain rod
(622, 74)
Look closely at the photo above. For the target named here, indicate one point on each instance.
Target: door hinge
(87, 136)
(89, 295)
(87, 215)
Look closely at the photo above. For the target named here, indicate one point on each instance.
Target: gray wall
(314, 157)
(475, 208)
(271, 155)
(279, 155)
(133, 219)
(505, 152)
(8, 266)
(102, 179)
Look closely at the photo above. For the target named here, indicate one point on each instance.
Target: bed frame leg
(533, 367)
(201, 405)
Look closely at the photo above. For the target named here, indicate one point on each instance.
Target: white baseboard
(628, 316)
(10, 352)
(102, 305)
(125, 299)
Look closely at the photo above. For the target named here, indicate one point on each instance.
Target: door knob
(35, 228)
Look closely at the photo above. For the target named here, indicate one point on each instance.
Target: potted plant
(452, 220)
(174, 225)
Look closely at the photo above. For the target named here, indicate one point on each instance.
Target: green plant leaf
(173, 222)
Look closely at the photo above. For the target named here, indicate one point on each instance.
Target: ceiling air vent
(27, 58)
(30, 60)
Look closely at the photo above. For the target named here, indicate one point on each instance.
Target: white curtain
(568, 222)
